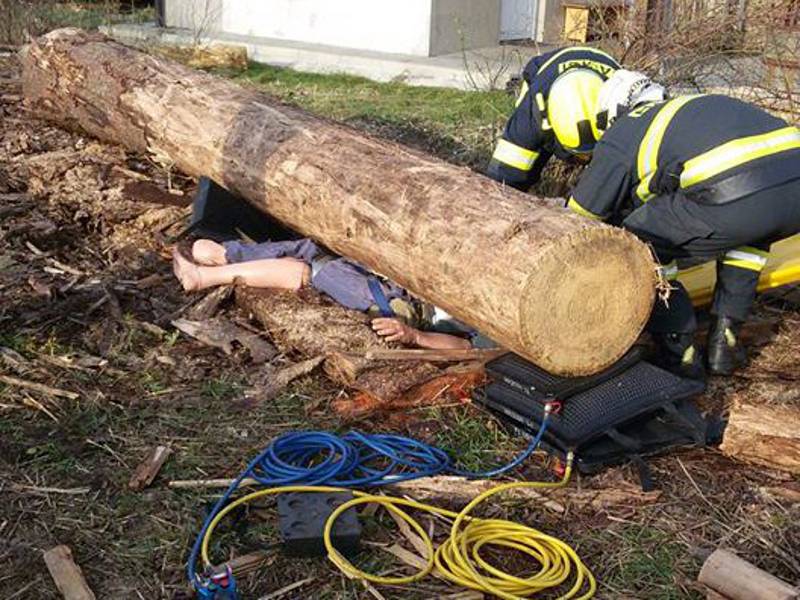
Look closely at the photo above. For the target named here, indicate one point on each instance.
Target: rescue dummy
(293, 264)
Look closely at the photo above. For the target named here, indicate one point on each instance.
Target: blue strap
(379, 296)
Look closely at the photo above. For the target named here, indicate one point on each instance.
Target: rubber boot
(725, 351)
(678, 354)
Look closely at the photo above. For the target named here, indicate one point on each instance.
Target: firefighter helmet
(571, 109)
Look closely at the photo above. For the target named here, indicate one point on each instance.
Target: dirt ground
(87, 302)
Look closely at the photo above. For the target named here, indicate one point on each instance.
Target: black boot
(725, 351)
(678, 354)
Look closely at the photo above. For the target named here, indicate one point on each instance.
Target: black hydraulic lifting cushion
(633, 409)
(220, 215)
(637, 390)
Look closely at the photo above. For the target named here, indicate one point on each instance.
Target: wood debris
(67, 574)
(148, 469)
(38, 387)
(278, 380)
(221, 333)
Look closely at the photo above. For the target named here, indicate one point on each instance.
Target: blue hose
(355, 459)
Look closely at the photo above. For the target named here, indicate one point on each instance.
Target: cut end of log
(584, 337)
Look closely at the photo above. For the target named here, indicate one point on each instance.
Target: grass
(459, 125)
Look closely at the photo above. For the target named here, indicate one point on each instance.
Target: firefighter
(698, 177)
(554, 114)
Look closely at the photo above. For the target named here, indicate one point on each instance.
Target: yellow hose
(459, 558)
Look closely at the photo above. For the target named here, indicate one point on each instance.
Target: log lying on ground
(569, 294)
(763, 434)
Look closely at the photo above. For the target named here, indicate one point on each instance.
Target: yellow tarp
(783, 268)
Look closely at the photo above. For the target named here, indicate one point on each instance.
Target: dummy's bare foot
(187, 272)
(208, 252)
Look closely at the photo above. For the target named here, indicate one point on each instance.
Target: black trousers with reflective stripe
(680, 228)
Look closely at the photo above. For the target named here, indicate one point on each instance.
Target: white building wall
(378, 25)
(412, 27)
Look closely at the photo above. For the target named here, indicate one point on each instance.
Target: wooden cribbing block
(67, 575)
(737, 579)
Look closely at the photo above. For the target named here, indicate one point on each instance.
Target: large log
(569, 294)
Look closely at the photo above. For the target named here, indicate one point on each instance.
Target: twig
(33, 403)
(287, 589)
(38, 387)
(18, 487)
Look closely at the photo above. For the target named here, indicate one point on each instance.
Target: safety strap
(376, 289)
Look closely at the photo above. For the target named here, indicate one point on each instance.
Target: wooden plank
(66, 574)
(452, 355)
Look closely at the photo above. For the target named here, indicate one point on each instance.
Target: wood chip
(38, 387)
(146, 472)
(221, 333)
(209, 305)
(250, 563)
(66, 574)
(278, 381)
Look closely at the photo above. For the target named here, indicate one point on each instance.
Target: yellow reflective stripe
(670, 271)
(558, 55)
(647, 160)
(523, 91)
(737, 152)
(540, 102)
(577, 208)
(746, 257)
(514, 156)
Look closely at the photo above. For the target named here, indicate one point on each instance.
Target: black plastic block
(302, 517)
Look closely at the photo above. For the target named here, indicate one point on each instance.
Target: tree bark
(569, 294)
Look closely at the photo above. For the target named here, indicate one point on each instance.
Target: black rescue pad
(631, 410)
(221, 215)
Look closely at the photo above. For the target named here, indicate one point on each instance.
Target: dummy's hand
(394, 330)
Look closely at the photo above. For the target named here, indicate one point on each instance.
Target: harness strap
(376, 289)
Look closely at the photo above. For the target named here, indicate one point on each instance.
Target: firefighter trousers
(737, 235)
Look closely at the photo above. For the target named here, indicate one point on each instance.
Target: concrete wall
(464, 24)
(415, 27)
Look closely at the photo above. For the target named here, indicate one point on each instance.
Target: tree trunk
(569, 294)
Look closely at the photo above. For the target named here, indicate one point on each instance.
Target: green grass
(460, 125)
(648, 561)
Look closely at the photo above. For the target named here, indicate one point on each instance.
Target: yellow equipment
(782, 268)
(571, 109)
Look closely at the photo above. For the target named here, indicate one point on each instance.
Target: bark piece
(66, 574)
(38, 387)
(146, 472)
(209, 305)
(221, 334)
(737, 579)
(764, 434)
(279, 380)
(569, 294)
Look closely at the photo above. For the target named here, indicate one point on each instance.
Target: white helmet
(622, 92)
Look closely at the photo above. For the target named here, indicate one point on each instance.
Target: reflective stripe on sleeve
(647, 161)
(737, 152)
(514, 156)
(522, 93)
(577, 208)
(746, 257)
